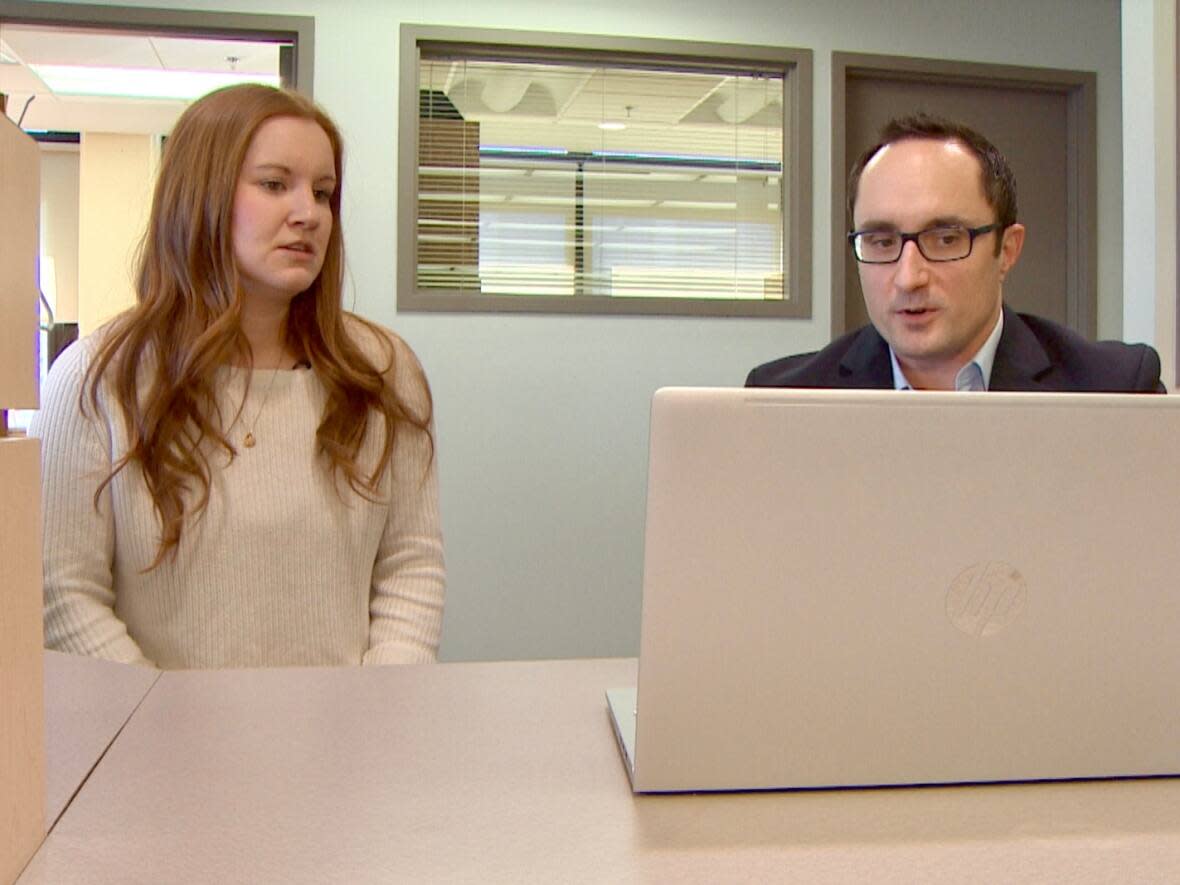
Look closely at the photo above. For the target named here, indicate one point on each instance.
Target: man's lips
(915, 317)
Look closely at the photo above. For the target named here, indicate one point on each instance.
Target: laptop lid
(846, 588)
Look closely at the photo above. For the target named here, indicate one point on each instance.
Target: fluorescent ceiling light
(610, 126)
(141, 82)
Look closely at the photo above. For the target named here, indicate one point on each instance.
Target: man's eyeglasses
(947, 243)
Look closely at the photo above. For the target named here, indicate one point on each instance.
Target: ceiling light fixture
(141, 82)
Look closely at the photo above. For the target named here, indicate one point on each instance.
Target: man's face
(935, 315)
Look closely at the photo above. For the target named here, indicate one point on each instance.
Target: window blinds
(598, 177)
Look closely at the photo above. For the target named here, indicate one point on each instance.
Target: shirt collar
(982, 363)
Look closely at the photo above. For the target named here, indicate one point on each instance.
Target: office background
(542, 420)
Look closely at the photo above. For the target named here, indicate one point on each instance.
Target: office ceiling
(22, 46)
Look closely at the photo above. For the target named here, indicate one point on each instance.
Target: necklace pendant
(248, 442)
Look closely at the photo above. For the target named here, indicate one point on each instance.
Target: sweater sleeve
(78, 535)
(409, 578)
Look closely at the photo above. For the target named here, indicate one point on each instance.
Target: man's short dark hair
(999, 184)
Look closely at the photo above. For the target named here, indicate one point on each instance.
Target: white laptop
(852, 588)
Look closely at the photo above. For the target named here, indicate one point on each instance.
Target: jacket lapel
(1021, 362)
(866, 362)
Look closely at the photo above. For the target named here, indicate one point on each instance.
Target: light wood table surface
(87, 701)
(508, 772)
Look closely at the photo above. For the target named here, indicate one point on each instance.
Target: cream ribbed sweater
(287, 566)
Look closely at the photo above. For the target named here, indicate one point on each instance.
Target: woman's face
(281, 212)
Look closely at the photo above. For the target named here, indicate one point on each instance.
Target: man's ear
(1010, 247)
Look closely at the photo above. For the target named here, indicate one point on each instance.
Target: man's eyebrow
(873, 224)
(938, 221)
(947, 221)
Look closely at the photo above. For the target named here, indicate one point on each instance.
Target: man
(935, 233)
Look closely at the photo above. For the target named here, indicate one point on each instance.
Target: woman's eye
(271, 184)
(323, 196)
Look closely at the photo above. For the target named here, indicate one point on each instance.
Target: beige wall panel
(20, 164)
(114, 195)
(22, 713)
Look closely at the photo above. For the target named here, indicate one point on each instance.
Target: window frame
(796, 64)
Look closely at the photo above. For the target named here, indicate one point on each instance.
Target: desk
(508, 772)
(87, 701)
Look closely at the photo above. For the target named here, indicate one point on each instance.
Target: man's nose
(912, 267)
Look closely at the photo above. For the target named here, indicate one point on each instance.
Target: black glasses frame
(972, 233)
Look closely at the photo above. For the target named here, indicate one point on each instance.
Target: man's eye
(949, 237)
(880, 241)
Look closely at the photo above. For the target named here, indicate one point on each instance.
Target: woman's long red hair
(157, 360)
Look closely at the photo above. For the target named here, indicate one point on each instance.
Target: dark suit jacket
(1033, 354)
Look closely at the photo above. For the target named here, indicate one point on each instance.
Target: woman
(236, 472)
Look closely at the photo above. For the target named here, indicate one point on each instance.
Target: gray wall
(542, 421)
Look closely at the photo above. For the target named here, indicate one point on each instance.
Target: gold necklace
(248, 441)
